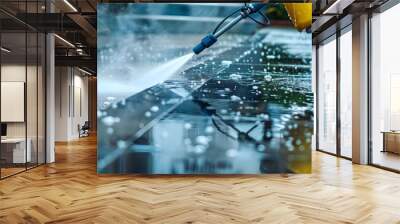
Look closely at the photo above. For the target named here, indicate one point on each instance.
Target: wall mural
(181, 91)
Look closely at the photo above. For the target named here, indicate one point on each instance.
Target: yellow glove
(300, 14)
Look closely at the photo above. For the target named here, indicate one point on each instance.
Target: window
(22, 77)
(385, 89)
(346, 94)
(327, 97)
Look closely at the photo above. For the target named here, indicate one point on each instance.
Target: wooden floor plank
(70, 191)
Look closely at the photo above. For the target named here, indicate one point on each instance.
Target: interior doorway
(75, 104)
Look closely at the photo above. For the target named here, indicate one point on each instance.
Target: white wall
(61, 103)
(10, 73)
(80, 110)
(17, 73)
(71, 102)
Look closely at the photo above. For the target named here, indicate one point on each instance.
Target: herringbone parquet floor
(70, 191)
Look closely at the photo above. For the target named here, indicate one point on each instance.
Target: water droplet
(110, 98)
(154, 108)
(202, 140)
(227, 63)
(147, 114)
(121, 144)
(187, 126)
(209, 129)
(199, 149)
(261, 148)
(232, 152)
(289, 145)
(109, 120)
(268, 78)
(235, 76)
(235, 98)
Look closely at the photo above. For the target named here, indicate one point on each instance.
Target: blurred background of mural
(243, 106)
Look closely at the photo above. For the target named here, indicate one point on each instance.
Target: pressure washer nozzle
(206, 42)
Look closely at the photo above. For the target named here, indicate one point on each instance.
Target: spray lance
(299, 13)
(245, 12)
